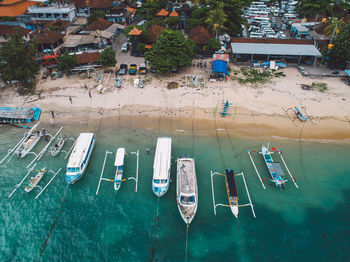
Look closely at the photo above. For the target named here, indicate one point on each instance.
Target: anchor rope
(42, 249)
(187, 228)
(301, 151)
(155, 231)
(192, 129)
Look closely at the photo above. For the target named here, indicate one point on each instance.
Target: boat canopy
(162, 158)
(277, 169)
(231, 183)
(80, 150)
(119, 158)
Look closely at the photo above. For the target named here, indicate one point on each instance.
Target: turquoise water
(310, 224)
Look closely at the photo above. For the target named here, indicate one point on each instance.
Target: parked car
(142, 69)
(125, 47)
(132, 69)
(123, 69)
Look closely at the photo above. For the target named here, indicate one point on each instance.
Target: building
(14, 8)
(6, 31)
(54, 11)
(48, 40)
(81, 43)
(288, 51)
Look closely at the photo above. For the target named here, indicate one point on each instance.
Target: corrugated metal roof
(274, 49)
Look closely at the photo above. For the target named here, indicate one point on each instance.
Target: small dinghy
(58, 146)
(33, 181)
(186, 189)
(119, 163)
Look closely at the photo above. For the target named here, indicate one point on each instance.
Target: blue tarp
(347, 72)
(219, 66)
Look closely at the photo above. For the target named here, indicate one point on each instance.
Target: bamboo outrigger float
(274, 168)
(232, 192)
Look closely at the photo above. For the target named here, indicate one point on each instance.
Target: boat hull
(160, 191)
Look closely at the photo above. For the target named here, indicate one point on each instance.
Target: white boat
(119, 163)
(80, 156)
(58, 146)
(29, 143)
(33, 181)
(161, 166)
(186, 189)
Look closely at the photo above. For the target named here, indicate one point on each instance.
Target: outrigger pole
(103, 168)
(136, 179)
(55, 174)
(38, 156)
(67, 153)
(212, 174)
(256, 170)
(284, 163)
(20, 183)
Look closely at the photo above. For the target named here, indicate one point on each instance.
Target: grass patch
(319, 86)
(255, 77)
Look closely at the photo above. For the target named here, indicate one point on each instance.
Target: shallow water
(309, 224)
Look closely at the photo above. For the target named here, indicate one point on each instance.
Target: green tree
(216, 19)
(141, 47)
(171, 50)
(67, 62)
(334, 25)
(107, 57)
(214, 44)
(173, 21)
(340, 52)
(150, 8)
(96, 14)
(157, 21)
(143, 36)
(198, 16)
(310, 8)
(18, 61)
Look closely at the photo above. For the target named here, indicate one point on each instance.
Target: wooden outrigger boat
(119, 163)
(186, 189)
(232, 192)
(30, 142)
(274, 168)
(303, 115)
(33, 181)
(58, 146)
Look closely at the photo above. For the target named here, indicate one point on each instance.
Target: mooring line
(155, 231)
(301, 150)
(42, 249)
(187, 227)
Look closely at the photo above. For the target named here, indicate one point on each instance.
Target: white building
(62, 11)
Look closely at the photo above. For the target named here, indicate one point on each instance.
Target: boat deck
(187, 179)
(275, 169)
(231, 183)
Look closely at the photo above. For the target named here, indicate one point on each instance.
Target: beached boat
(16, 115)
(274, 168)
(33, 181)
(299, 114)
(186, 189)
(161, 166)
(30, 142)
(225, 109)
(58, 146)
(80, 156)
(119, 163)
(232, 192)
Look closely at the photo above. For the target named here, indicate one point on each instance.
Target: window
(163, 181)
(156, 181)
(72, 169)
(187, 200)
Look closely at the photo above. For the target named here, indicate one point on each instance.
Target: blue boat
(16, 115)
(274, 168)
(79, 159)
(300, 115)
(225, 109)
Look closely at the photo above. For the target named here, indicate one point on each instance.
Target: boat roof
(187, 176)
(119, 157)
(20, 113)
(277, 169)
(231, 183)
(162, 158)
(80, 149)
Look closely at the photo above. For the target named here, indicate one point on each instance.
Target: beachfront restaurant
(288, 53)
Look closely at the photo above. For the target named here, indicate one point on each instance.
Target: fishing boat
(161, 166)
(80, 156)
(232, 192)
(119, 163)
(299, 114)
(186, 189)
(30, 142)
(58, 146)
(17, 115)
(33, 181)
(225, 109)
(274, 168)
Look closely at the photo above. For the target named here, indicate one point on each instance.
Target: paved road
(125, 58)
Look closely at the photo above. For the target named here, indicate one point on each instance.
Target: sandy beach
(254, 111)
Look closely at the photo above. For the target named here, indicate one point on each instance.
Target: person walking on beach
(53, 114)
(90, 93)
(70, 99)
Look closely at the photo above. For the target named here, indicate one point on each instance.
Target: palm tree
(334, 26)
(217, 18)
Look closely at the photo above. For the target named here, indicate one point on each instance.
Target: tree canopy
(96, 14)
(67, 62)
(340, 52)
(310, 8)
(217, 18)
(158, 21)
(150, 8)
(143, 36)
(214, 44)
(18, 61)
(171, 51)
(107, 57)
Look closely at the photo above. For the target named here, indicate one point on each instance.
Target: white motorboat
(119, 163)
